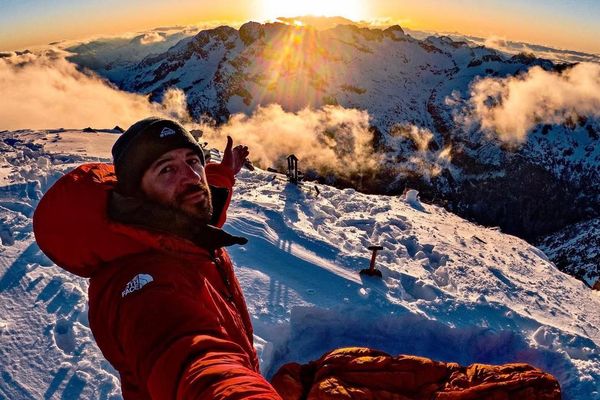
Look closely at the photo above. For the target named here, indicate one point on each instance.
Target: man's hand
(236, 157)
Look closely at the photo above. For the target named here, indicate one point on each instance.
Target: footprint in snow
(63, 335)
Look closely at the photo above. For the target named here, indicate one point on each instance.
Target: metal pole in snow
(372, 271)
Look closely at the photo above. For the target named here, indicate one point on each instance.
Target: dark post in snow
(292, 168)
(372, 271)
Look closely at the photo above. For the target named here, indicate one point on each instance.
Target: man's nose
(190, 175)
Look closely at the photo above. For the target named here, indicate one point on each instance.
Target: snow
(451, 290)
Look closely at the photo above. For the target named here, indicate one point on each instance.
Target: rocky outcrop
(520, 197)
(251, 31)
(576, 250)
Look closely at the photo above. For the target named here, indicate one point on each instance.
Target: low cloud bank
(330, 140)
(541, 51)
(152, 37)
(41, 91)
(418, 154)
(510, 107)
(498, 42)
(324, 23)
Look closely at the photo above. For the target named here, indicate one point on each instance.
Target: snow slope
(451, 290)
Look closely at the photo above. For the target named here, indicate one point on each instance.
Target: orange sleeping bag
(361, 373)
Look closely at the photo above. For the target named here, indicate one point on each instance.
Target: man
(164, 305)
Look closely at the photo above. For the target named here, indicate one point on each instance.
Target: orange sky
(571, 25)
(511, 21)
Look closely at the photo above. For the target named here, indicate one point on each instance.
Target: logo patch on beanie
(167, 132)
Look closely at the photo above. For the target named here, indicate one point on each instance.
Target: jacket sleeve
(178, 348)
(221, 177)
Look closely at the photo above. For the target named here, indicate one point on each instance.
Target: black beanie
(142, 144)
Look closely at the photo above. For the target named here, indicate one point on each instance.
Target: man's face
(177, 179)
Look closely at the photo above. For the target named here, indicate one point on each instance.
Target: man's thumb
(229, 144)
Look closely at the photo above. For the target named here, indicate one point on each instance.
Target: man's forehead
(182, 152)
(173, 154)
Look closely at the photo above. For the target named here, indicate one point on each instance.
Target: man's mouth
(192, 194)
(194, 197)
(195, 200)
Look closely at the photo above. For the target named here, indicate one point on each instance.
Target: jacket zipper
(229, 294)
(223, 273)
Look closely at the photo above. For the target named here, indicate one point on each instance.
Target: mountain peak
(317, 22)
(395, 28)
(251, 31)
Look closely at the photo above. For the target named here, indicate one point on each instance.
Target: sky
(566, 24)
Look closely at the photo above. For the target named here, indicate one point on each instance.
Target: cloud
(44, 90)
(510, 107)
(169, 28)
(418, 154)
(511, 47)
(329, 140)
(152, 37)
(324, 23)
(384, 23)
(123, 37)
(317, 22)
(496, 42)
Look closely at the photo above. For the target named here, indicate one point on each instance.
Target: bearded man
(164, 304)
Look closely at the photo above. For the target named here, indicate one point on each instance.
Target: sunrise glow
(567, 25)
(351, 9)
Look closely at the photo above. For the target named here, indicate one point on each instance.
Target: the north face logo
(167, 132)
(138, 282)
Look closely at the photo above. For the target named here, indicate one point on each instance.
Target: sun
(351, 9)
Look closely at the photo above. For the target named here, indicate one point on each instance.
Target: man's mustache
(191, 189)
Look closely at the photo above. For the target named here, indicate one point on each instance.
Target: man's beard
(202, 209)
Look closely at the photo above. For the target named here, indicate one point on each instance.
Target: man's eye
(165, 170)
(195, 163)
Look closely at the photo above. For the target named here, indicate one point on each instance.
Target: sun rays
(295, 68)
(352, 9)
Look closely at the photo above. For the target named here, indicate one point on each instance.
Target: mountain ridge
(532, 190)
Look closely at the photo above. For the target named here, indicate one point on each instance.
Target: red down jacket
(159, 309)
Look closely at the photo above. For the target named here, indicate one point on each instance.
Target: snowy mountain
(576, 250)
(419, 96)
(111, 56)
(451, 290)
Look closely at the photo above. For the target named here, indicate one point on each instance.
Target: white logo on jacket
(167, 132)
(138, 282)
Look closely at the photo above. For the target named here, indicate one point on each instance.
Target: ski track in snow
(451, 290)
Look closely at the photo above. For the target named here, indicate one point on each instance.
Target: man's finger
(248, 164)
(229, 144)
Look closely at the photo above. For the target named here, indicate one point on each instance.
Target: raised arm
(222, 176)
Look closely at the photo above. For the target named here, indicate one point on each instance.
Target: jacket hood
(73, 228)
